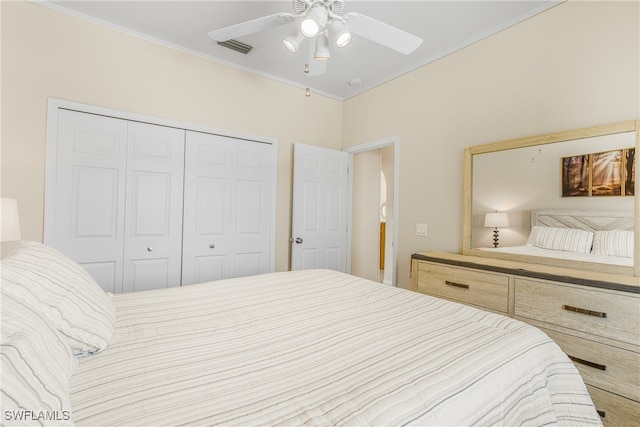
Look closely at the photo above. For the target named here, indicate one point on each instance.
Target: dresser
(594, 317)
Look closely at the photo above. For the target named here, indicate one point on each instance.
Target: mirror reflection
(520, 180)
(575, 174)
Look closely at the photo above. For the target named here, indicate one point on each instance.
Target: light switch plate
(421, 229)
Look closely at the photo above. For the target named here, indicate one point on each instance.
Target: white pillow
(561, 239)
(613, 243)
(36, 365)
(53, 284)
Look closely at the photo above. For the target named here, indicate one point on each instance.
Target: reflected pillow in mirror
(613, 243)
(561, 239)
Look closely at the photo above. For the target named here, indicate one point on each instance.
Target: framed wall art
(609, 173)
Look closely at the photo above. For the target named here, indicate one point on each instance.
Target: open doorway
(386, 217)
(373, 208)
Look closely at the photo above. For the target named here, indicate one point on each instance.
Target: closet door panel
(207, 208)
(149, 273)
(153, 230)
(207, 255)
(253, 209)
(89, 194)
(206, 268)
(228, 208)
(95, 202)
(251, 246)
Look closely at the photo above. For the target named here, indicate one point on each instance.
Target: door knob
(298, 240)
(149, 249)
(212, 246)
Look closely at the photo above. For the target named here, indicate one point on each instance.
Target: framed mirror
(581, 179)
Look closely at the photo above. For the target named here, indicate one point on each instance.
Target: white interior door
(85, 205)
(228, 212)
(153, 210)
(320, 208)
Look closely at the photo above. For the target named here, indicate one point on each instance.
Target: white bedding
(565, 255)
(321, 348)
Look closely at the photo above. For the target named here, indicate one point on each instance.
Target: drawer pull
(601, 413)
(587, 363)
(456, 285)
(584, 311)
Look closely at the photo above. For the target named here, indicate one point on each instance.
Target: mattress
(564, 255)
(319, 347)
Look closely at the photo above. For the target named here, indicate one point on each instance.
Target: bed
(603, 240)
(314, 347)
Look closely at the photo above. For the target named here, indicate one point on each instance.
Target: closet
(145, 206)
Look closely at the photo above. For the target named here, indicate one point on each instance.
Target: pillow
(613, 243)
(62, 291)
(36, 365)
(561, 239)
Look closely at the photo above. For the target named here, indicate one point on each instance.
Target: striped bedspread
(319, 347)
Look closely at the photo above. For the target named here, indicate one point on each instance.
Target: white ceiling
(445, 26)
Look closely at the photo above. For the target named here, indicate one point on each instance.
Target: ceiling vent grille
(236, 45)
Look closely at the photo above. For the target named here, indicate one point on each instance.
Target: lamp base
(495, 237)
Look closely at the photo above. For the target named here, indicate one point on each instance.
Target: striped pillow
(36, 366)
(561, 239)
(61, 290)
(613, 243)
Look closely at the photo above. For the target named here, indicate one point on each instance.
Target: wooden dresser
(594, 317)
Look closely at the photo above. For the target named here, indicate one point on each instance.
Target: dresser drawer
(607, 367)
(590, 310)
(615, 411)
(467, 286)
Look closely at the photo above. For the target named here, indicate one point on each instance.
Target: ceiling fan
(322, 21)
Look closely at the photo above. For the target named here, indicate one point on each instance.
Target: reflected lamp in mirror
(10, 228)
(496, 220)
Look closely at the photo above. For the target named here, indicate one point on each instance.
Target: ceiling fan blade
(382, 33)
(250, 27)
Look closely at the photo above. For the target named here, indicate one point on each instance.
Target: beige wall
(49, 54)
(573, 66)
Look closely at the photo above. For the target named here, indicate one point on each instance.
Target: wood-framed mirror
(563, 171)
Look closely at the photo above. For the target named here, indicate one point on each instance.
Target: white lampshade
(10, 229)
(496, 220)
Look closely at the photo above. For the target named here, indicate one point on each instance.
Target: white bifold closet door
(85, 202)
(118, 200)
(153, 207)
(227, 207)
(143, 206)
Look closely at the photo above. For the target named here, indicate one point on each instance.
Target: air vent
(236, 45)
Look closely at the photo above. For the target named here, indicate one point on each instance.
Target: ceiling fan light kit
(315, 21)
(322, 48)
(339, 33)
(323, 19)
(293, 39)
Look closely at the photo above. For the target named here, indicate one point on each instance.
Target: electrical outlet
(421, 229)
